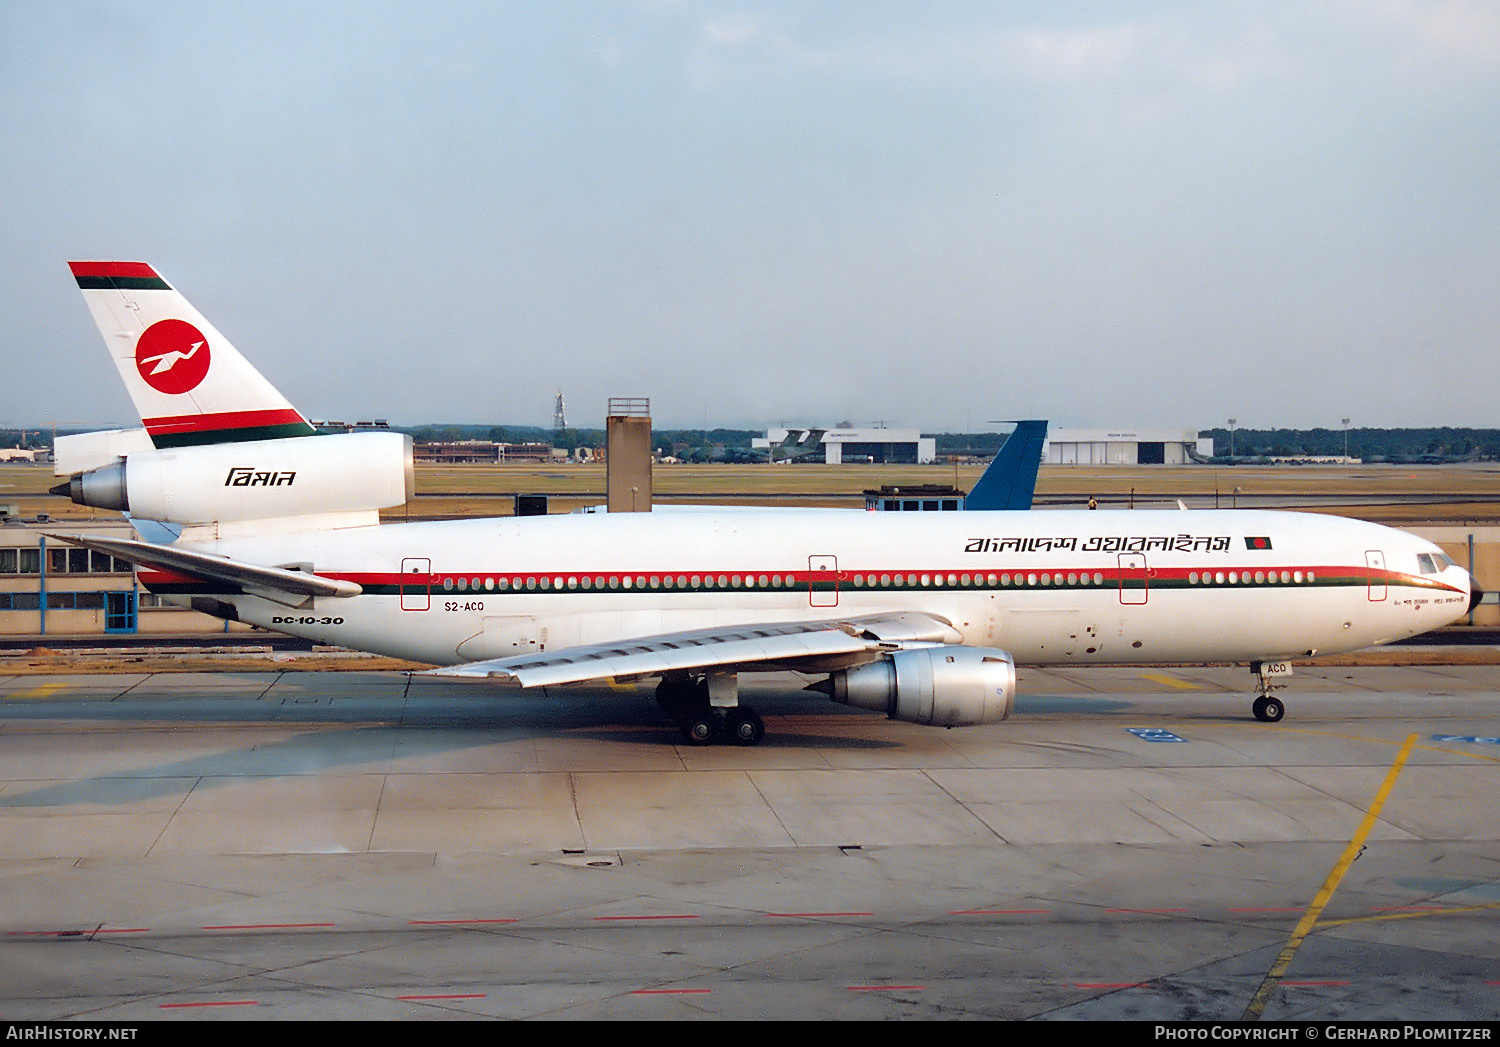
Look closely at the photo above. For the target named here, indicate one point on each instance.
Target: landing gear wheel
(1268, 709)
(700, 730)
(744, 727)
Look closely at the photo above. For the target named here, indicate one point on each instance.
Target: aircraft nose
(1475, 594)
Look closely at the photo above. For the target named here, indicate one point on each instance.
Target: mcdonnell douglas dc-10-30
(922, 616)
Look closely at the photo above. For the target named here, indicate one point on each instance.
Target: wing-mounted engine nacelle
(255, 480)
(941, 686)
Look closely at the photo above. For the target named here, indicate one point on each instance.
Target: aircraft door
(1134, 587)
(1375, 561)
(416, 583)
(822, 581)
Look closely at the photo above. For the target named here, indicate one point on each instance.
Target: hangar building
(1125, 447)
(882, 446)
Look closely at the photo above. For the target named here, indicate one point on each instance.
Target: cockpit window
(1434, 563)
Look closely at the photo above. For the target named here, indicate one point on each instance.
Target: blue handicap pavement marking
(1477, 739)
(1154, 734)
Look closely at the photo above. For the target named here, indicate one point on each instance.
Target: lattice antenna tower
(559, 415)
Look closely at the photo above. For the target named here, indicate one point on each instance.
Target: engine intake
(946, 686)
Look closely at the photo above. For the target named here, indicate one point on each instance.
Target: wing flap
(778, 642)
(265, 580)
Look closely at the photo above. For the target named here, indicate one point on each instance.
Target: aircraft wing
(763, 646)
(273, 582)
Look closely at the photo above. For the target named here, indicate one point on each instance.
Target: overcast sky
(931, 215)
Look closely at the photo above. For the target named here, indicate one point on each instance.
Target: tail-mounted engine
(944, 686)
(257, 480)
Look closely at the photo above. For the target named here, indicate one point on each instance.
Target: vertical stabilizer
(190, 385)
(1010, 480)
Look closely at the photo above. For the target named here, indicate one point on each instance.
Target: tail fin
(1010, 480)
(190, 385)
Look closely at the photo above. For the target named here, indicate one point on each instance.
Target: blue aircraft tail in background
(1010, 480)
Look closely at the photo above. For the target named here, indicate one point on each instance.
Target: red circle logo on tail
(172, 356)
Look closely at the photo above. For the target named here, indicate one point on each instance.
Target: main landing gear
(1269, 677)
(707, 710)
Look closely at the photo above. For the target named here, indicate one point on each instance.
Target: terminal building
(1125, 447)
(48, 587)
(847, 444)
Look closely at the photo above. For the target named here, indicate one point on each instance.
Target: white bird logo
(168, 360)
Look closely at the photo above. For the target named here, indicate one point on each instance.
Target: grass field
(1397, 494)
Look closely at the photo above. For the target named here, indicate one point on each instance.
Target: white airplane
(922, 616)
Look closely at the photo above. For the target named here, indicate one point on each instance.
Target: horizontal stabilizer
(215, 568)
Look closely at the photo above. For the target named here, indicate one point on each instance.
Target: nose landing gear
(1270, 676)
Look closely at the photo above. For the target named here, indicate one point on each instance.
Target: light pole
(1231, 439)
(1346, 439)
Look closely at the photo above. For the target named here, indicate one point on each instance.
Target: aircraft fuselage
(1048, 587)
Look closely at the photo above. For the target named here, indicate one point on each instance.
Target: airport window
(84, 601)
(31, 561)
(9, 562)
